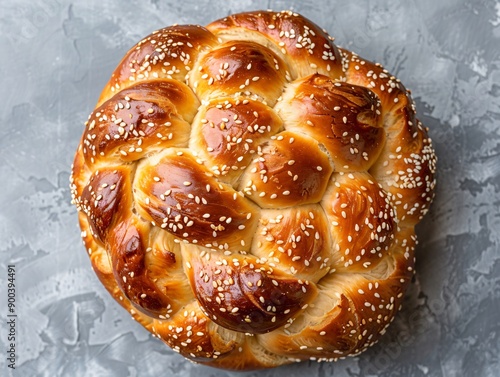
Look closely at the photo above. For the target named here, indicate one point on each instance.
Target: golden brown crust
(167, 53)
(127, 251)
(361, 220)
(179, 195)
(227, 132)
(280, 176)
(245, 294)
(344, 118)
(304, 46)
(352, 310)
(239, 68)
(138, 120)
(101, 197)
(406, 169)
(297, 238)
(248, 191)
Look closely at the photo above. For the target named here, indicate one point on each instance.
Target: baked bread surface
(248, 191)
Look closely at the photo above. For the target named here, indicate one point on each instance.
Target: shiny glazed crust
(248, 191)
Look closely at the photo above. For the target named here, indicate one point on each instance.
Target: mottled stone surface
(55, 58)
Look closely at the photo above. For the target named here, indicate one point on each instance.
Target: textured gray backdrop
(55, 57)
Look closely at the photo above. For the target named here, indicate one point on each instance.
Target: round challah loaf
(248, 191)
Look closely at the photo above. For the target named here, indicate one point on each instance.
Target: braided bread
(248, 191)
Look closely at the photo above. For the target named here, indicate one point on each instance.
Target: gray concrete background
(55, 57)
